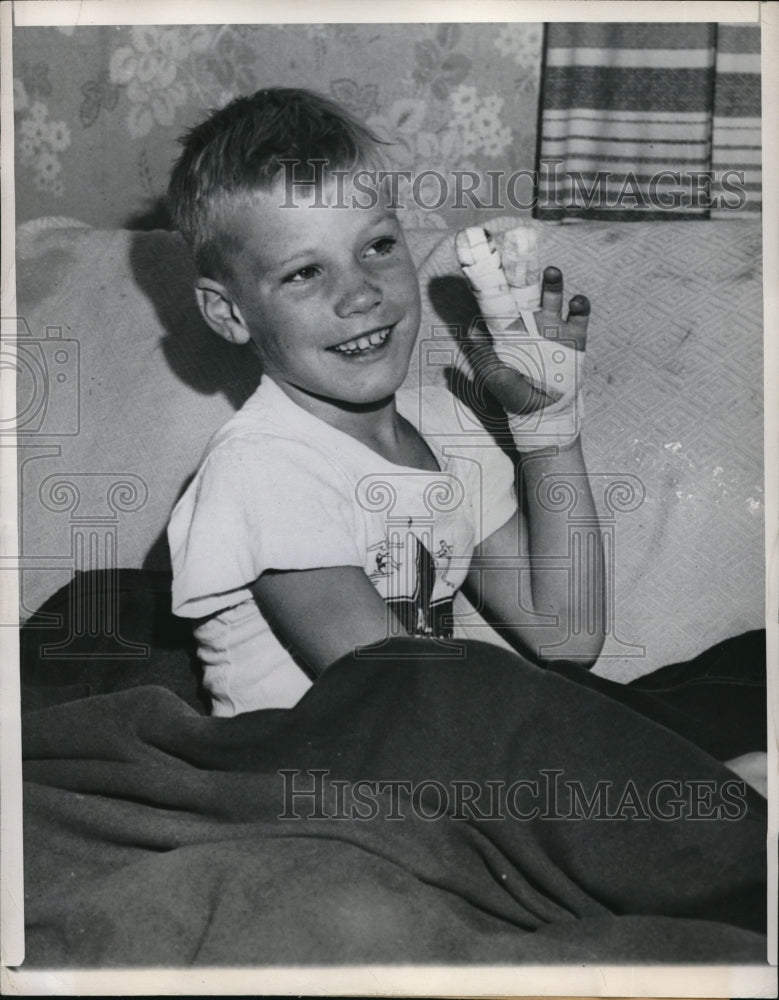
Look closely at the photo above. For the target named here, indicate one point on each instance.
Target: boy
(280, 546)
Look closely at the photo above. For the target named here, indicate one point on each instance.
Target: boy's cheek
(408, 279)
(415, 314)
(407, 291)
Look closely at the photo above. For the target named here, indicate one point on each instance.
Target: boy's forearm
(565, 551)
(540, 578)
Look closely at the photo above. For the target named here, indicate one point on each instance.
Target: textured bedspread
(154, 837)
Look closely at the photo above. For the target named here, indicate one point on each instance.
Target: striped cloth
(736, 132)
(650, 121)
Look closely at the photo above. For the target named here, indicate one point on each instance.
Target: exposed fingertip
(553, 276)
(579, 306)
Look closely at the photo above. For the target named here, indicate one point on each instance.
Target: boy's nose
(359, 296)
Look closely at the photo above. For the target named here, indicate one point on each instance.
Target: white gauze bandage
(507, 289)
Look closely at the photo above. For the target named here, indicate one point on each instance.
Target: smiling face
(329, 295)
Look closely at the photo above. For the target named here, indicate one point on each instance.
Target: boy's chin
(370, 397)
(376, 387)
(356, 398)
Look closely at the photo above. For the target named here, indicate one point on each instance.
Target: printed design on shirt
(443, 560)
(386, 564)
(408, 584)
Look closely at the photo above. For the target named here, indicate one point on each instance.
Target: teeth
(363, 343)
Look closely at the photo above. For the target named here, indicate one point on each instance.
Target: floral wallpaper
(98, 109)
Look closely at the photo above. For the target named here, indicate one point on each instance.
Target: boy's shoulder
(274, 439)
(259, 440)
(268, 414)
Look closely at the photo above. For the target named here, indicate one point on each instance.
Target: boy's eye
(383, 246)
(301, 275)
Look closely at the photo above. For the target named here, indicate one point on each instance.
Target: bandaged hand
(535, 375)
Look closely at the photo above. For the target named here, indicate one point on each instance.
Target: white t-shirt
(280, 489)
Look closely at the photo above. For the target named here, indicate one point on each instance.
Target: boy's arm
(324, 614)
(542, 562)
(539, 579)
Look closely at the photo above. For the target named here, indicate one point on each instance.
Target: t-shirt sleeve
(256, 505)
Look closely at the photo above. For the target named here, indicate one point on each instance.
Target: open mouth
(364, 344)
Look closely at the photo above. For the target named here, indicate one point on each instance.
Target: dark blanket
(153, 833)
(156, 835)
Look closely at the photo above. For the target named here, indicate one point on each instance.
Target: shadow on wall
(162, 268)
(155, 216)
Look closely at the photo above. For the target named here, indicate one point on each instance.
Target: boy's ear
(220, 311)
